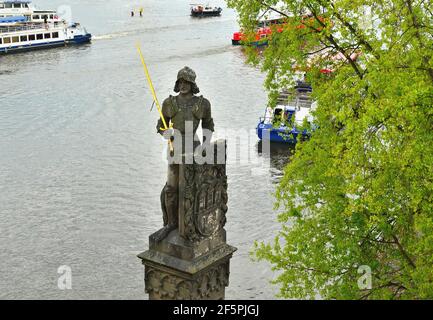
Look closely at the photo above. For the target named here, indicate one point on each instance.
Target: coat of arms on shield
(211, 202)
(203, 203)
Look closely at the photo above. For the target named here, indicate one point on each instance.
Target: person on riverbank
(141, 12)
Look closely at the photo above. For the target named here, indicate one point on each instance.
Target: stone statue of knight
(184, 112)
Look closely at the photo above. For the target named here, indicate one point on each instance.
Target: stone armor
(196, 110)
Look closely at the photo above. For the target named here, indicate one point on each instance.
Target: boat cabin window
(15, 39)
(36, 17)
(17, 5)
(7, 40)
(2, 5)
(23, 38)
(8, 5)
(32, 37)
(1, 40)
(39, 36)
(51, 16)
(55, 34)
(44, 16)
(47, 35)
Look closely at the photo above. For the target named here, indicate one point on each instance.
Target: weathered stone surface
(189, 258)
(157, 258)
(205, 277)
(176, 268)
(192, 261)
(167, 284)
(203, 198)
(181, 248)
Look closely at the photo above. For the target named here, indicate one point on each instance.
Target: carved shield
(203, 199)
(209, 205)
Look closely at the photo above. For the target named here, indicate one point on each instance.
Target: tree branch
(320, 50)
(418, 35)
(330, 37)
(386, 285)
(403, 252)
(354, 32)
(273, 9)
(336, 45)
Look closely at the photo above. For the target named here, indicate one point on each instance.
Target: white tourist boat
(24, 8)
(22, 27)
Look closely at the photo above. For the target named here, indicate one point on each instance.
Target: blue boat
(283, 123)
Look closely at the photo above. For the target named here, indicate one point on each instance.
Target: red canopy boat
(266, 29)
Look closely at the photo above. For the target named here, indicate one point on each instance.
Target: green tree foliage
(360, 191)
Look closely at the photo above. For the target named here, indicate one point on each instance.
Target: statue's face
(184, 86)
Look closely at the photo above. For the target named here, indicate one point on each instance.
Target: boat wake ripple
(199, 54)
(150, 30)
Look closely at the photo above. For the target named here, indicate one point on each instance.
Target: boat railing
(302, 99)
(27, 26)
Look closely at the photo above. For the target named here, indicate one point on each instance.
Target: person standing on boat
(141, 12)
(185, 112)
(132, 12)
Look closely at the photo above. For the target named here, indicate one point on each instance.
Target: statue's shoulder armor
(205, 103)
(171, 100)
(201, 106)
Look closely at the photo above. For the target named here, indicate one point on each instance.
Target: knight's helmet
(189, 75)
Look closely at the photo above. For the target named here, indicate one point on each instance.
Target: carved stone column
(193, 261)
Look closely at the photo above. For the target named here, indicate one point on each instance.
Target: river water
(81, 165)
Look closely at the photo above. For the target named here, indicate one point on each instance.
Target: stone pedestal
(178, 269)
(193, 261)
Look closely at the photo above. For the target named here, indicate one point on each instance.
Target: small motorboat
(282, 123)
(200, 10)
